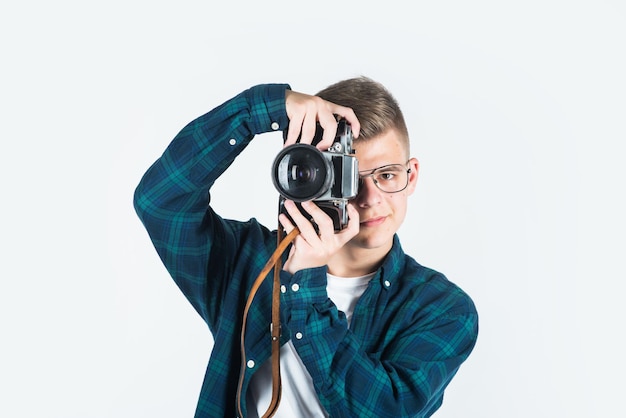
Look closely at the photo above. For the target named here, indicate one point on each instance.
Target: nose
(369, 194)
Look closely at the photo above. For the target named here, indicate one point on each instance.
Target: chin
(373, 241)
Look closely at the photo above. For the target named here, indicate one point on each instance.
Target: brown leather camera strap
(274, 262)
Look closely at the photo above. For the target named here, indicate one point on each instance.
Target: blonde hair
(374, 106)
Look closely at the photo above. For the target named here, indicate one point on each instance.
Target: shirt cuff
(305, 287)
(267, 107)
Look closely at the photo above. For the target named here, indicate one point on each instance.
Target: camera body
(330, 178)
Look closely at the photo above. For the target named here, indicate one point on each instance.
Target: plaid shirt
(410, 331)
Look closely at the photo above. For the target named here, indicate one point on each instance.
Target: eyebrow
(395, 167)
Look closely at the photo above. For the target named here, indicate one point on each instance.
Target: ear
(414, 166)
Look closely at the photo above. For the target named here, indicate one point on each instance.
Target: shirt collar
(393, 264)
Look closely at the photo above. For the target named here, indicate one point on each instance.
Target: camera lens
(301, 172)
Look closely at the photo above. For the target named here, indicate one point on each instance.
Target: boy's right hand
(304, 111)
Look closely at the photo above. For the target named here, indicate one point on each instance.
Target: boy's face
(381, 213)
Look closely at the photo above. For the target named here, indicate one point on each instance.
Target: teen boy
(366, 331)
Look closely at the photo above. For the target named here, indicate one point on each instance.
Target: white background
(516, 111)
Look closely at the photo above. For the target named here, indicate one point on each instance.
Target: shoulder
(425, 289)
(433, 287)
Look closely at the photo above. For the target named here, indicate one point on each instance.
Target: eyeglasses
(390, 178)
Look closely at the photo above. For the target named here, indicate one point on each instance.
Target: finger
(329, 125)
(307, 231)
(349, 115)
(309, 124)
(295, 127)
(352, 229)
(353, 214)
(325, 226)
(286, 223)
(295, 115)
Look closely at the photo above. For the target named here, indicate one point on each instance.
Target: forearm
(205, 148)
(172, 197)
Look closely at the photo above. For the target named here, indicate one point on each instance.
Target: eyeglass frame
(373, 171)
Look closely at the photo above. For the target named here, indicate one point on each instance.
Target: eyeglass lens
(390, 178)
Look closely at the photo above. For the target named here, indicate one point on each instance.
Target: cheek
(397, 198)
(398, 201)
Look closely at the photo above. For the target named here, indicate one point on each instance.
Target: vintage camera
(301, 172)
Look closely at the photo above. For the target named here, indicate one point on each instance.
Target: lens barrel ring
(301, 172)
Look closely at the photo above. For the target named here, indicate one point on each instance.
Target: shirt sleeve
(416, 340)
(172, 199)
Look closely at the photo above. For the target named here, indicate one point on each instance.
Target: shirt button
(299, 335)
(232, 141)
(387, 284)
(283, 289)
(250, 364)
(275, 126)
(295, 287)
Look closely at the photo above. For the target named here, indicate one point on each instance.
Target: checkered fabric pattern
(410, 332)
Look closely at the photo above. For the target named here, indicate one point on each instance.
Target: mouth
(371, 222)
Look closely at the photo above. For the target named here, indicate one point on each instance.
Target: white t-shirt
(298, 397)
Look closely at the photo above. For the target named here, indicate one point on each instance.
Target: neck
(353, 261)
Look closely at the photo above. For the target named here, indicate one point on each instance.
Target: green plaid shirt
(410, 331)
